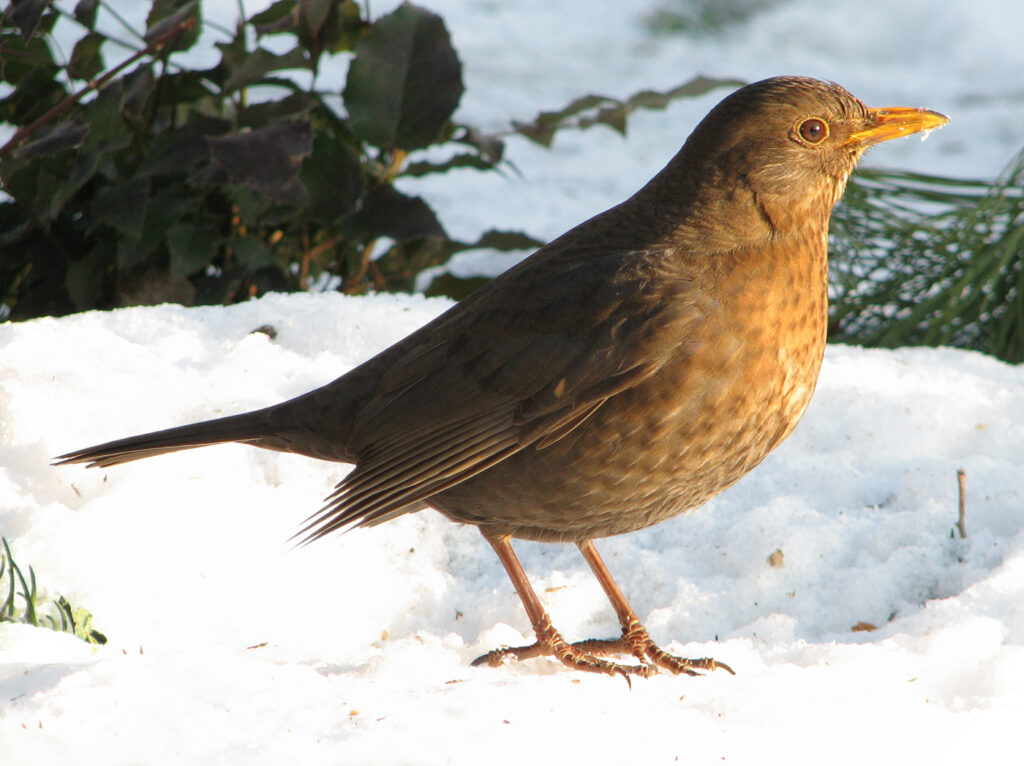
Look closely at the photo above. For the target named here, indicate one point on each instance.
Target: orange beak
(895, 121)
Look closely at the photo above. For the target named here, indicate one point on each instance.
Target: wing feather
(526, 370)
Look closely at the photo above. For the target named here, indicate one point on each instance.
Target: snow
(228, 645)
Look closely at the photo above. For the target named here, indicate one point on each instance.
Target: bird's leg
(549, 641)
(635, 640)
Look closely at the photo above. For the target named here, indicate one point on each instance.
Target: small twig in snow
(961, 524)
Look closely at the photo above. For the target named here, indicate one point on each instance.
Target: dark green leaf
(348, 28)
(163, 211)
(85, 276)
(282, 16)
(63, 136)
(267, 159)
(314, 14)
(264, 113)
(270, 279)
(86, 61)
(386, 212)
(107, 130)
(85, 13)
(26, 14)
(191, 247)
(496, 239)
(333, 178)
(416, 169)
(46, 204)
(210, 175)
(455, 287)
(139, 86)
(251, 206)
(587, 111)
(490, 147)
(403, 261)
(21, 58)
(331, 25)
(122, 206)
(405, 80)
(165, 15)
(181, 150)
(255, 66)
(408, 257)
(250, 252)
(184, 87)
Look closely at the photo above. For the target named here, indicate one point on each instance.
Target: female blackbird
(621, 375)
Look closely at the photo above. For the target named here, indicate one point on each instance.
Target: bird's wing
(501, 374)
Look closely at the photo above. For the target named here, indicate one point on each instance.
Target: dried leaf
(865, 627)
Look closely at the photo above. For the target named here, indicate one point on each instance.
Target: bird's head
(788, 145)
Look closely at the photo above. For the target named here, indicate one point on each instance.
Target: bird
(623, 374)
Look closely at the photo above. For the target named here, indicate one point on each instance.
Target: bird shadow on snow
(28, 680)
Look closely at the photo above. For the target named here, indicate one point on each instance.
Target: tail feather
(235, 428)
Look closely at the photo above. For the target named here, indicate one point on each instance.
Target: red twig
(156, 44)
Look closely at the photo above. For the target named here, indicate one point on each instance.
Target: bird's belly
(645, 456)
(669, 444)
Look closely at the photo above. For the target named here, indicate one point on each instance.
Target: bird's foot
(576, 656)
(637, 641)
(582, 655)
(653, 656)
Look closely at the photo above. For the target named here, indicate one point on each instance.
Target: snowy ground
(227, 646)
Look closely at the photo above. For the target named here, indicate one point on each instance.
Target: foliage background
(212, 185)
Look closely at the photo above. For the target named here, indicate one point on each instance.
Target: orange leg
(635, 640)
(581, 655)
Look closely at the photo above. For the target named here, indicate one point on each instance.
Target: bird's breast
(675, 440)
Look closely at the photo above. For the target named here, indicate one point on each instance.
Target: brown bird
(621, 375)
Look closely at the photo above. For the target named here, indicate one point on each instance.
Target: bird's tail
(247, 427)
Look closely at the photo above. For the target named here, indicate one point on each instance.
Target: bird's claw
(582, 655)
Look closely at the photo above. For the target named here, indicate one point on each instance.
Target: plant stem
(26, 132)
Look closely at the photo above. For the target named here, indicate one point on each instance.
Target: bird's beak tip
(896, 121)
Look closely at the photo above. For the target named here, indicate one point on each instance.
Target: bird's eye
(813, 130)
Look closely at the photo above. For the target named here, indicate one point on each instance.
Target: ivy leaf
(404, 82)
